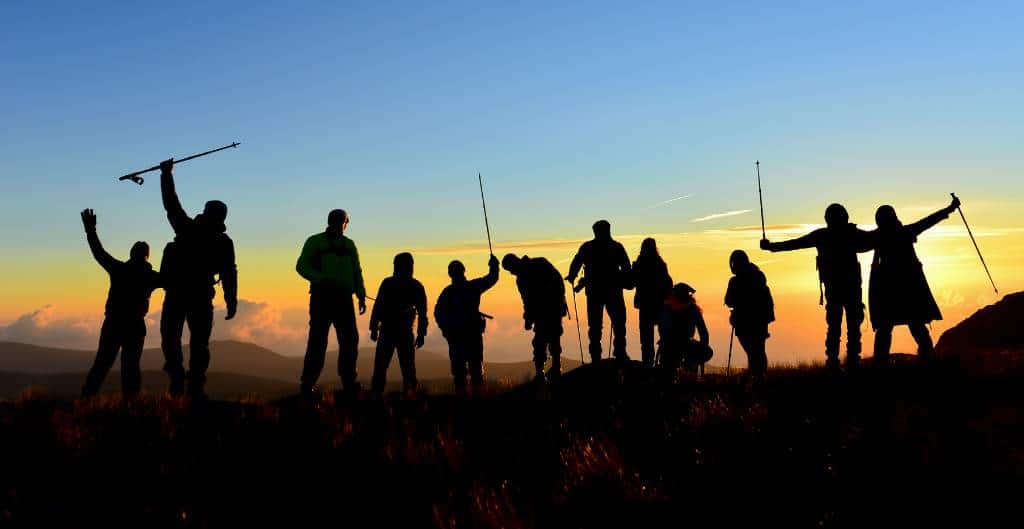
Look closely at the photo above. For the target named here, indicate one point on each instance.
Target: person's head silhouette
(836, 216)
(511, 263)
(602, 229)
(403, 265)
(885, 218)
(738, 260)
(337, 221)
(214, 214)
(649, 247)
(139, 252)
(457, 271)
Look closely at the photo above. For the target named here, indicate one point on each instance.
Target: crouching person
(681, 318)
(400, 300)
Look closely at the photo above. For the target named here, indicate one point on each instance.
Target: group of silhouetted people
(202, 255)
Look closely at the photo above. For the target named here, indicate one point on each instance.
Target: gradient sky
(572, 113)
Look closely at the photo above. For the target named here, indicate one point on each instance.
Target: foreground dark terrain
(607, 445)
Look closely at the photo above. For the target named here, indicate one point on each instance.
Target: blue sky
(572, 112)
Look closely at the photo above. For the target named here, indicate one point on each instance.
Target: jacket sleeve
(486, 282)
(229, 274)
(357, 274)
(175, 212)
(702, 329)
(440, 310)
(731, 294)
(928, 222)
(107, 261)
(807, 241)
(577, 261)
(379, 305)
(626, 268)
(305, 265)
(421, 311)
(527, 300)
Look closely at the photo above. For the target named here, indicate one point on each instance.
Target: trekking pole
(486, 223)
(728, 363)
(134, 177)
(579, 334)
(760, 199)
(975, 245)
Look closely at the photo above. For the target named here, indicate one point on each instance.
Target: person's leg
(131, 355)
(617, 315)
(475, 354)
(457, 357)
(646, 324)
(172, 325)
(382, 360)
(834, 322)
(883, 344)
(925, 348)
(407, 359)
(316, 345)
(553, 335)
(854, 307)
(595, 322)
(540, 345)
(200, 326)
(348, 343)
(106, 353)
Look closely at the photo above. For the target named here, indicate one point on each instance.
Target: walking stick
(976, 245)
(486, 223)
(134, 177)
(579, 334)
(760, 199)
(728, 364)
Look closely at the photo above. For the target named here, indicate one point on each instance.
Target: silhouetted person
(400, 300)
(457, 314)
(838, 244)
(680, 319)
(653, 285)
(543, 292)
(201, 250)
(898, 292)
(330, 262)
(752, 307)
(124, 322)
(606, 273)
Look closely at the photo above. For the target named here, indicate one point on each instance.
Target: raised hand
(167, 166)
(89, 220)
(765, 244)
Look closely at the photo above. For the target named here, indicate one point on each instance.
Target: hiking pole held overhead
(968, 226)
(487, 224)
(760, 199)
(134, 177)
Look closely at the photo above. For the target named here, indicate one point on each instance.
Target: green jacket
(333, 262)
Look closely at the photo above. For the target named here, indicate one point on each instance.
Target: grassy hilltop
(609, 444)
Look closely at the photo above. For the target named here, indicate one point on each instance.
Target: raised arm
(486, 282)
(175, 212)
(105, 260)
(800, 243)
(229, 277)
(924, 224)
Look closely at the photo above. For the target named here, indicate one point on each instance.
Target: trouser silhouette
(753, 343)
(118, 334)
(597, 302)
(196, 310)
(327, 309)
(883, 340)
(547, 336)
(843, 298)
(649, 317)
(466, 353)
(387, 342)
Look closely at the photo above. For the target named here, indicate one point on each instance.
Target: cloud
(721, 215)
(260, 323)
(45, 327)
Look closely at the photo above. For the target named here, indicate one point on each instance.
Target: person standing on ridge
(201, 249)
(653, 285)
(457, 314)
(838, 244)
(330, 262)
(400, 300)
(124, 322)
(543, 292)
(752, 307)
(898, 292)
(606, 273)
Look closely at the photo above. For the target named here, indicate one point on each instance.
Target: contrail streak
(669, 201)
(720, 215)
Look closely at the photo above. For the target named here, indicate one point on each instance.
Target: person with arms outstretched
(124, 323)
(400, 300)
(838, 244)
(606, 273)
(543, 292)
(752, 307)
(201, 250)
(898, 292)
(330, 262)
(457, 314)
